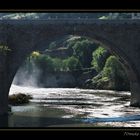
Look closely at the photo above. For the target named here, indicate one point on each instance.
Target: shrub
(112, 76)
(71, 63)
(115, 72)
(57, 64)
(83, 51)
(99, 58)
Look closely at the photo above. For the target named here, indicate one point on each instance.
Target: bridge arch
(25, 37)
(105, 43)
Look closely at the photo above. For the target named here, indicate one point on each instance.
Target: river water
(71, 107)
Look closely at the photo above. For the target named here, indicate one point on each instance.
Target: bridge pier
(135, 94)
(5, 84)
(4, 121)
(133, 76)
(3, 96)
(4, 91)
(3, 103)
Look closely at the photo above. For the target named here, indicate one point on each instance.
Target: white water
(90, 106)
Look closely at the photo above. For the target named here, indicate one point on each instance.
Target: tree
(99, 58)
(71, 63)
(57, 64)
(45, 63)
(83, 51)
(114, 71)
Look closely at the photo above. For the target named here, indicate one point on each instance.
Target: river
(71, 107)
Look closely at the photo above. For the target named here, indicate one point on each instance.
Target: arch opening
(57, 77)
(96, 43)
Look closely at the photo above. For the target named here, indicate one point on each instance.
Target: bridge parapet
(69, 21)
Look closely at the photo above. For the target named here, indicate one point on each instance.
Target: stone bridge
(18, 38)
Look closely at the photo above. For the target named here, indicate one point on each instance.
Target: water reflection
(113, 119)
(28, 121)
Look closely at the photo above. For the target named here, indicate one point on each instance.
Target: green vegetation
(83, 51)
(20, 98)
(99, 58)
(112, 76)
(72, 63)
(69, 43)
(44, 62)
(114, 71)
(49, 64)
(86, 54)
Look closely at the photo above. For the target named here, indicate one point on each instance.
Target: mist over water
(27, 79)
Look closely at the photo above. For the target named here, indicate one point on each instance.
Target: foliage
(83, 51)
(72, 41)
(112, 76)
(100, 82)
(99, 58)
(57, 64)
(45, 63)
(29, 63)
(113, 68)
(48, 64)
(34, 54)
(71, 63)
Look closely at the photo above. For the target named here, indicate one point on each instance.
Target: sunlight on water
(86, 106)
